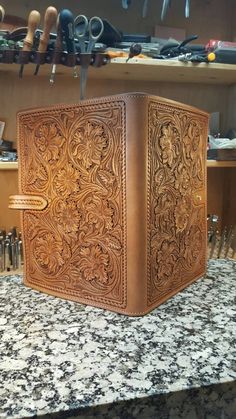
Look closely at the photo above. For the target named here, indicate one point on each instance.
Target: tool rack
(11, 56)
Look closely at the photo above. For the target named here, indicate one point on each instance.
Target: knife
(33, 23)
(50, 19)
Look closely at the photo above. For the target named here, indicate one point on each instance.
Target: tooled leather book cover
(112, 193)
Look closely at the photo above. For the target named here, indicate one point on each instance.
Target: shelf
(223, 163)
(11, 165)
(210, 163)
(145, 70)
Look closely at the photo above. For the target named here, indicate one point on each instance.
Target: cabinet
(208, 87)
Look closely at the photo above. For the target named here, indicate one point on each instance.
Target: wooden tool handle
(33, 23)
(2, 13)
(58, 43)
(50, 19)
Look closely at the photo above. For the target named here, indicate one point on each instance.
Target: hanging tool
(187, 8)
(166, 6)
(57, 48)
(33, 23)
(125, 4)
(94, 27)
(50, 19)
(134, 50)
(2, 14)
(145, 8)
(66, 19)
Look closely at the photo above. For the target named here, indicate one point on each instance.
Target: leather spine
(136, 183)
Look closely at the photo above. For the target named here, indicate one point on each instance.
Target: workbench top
(176, 362)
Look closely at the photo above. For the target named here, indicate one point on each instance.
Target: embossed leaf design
(32, 225)
(193, 244)
(182, 214)
(88, 144)
(80, 247)
(66, 180)
(106, 178)
(68, 215)
(166, 258)
(176, 172)
(36, 175)
(93, 264)
(48, 252)
(98, 213)
(49, 141)
(113, 242)
(182, 180)
(168, 144)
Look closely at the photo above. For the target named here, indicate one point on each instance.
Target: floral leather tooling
(113, 200)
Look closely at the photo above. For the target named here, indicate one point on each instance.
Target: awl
(33, 23)
(57, 48)
(50, 19)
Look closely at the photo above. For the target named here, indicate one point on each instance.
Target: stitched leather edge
(27, 202)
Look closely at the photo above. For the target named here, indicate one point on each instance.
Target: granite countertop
(62, 359)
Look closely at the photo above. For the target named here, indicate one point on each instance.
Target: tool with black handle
(50, 19)
(134, 50)
(33, 23)
(66, 20)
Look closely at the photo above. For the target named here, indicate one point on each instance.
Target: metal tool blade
(165, 6)
(187, 8)
(213, 244)
(222, 242)
(228, 241)
(50, 19)
(83, 80)
(125, 4)
(145, 8)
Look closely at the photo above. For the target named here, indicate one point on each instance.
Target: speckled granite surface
(176, 362)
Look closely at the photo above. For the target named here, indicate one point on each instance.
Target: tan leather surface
(27, 202)
(124, 178)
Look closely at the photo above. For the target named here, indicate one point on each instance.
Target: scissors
(87, 33)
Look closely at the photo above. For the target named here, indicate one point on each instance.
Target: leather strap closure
(22, 202)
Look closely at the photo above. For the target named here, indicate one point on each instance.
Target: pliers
(166, 5)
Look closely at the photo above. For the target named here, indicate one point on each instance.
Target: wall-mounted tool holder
(10, 56)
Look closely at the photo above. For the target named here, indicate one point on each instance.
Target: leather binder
(112, 193)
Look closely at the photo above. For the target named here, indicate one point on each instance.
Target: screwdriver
(68, 31)
(33, 22)
(50, 19)
(2, 14)
(57, 48)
